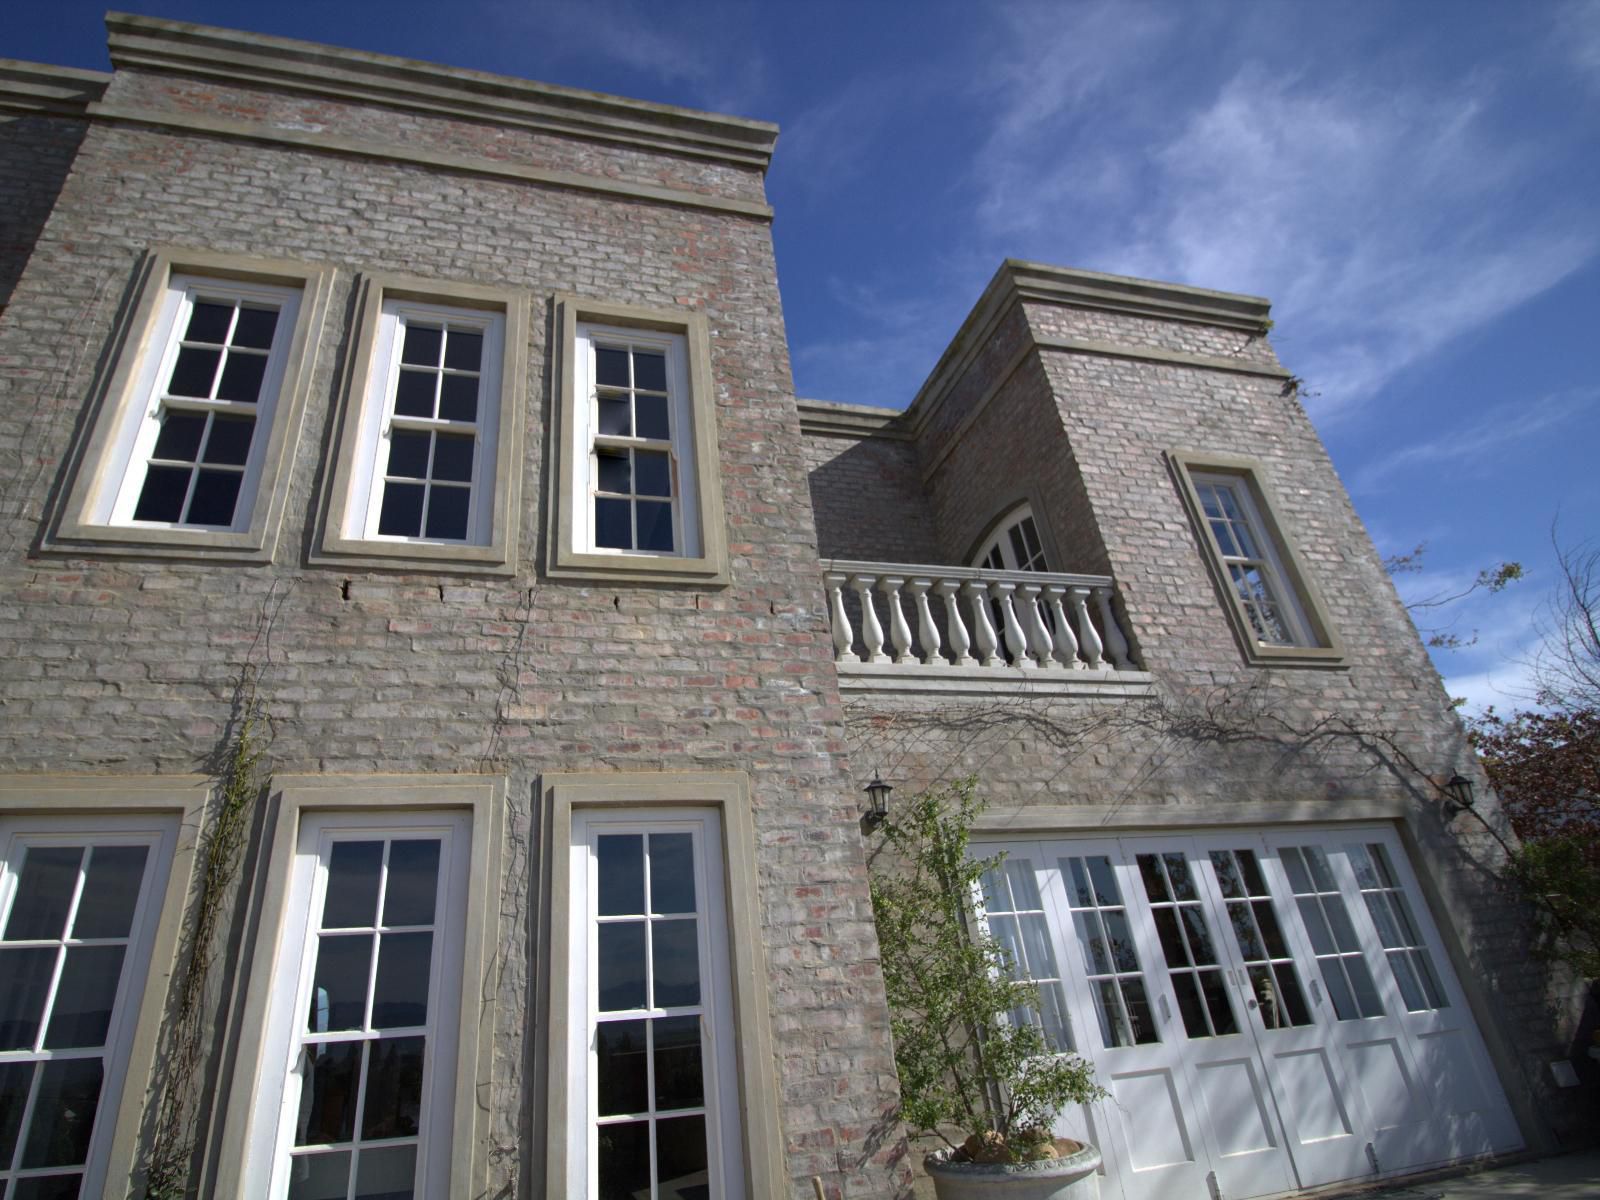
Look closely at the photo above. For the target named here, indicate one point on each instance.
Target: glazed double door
(1267, 1010)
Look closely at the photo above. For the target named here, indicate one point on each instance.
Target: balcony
(977, 632)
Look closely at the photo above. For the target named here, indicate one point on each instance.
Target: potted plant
(964, 1063)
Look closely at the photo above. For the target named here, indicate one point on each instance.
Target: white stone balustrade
(968, 622)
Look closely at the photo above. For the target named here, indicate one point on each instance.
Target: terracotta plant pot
(1073, 1176)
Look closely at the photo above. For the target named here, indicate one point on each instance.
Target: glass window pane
(1251, 871)
(1187, 992)
(1194, 923)
(421, 345)
(1082, 894)
(614, 416)
(624, 1160)
(1172, 947)
(1361, 983)
(229, 443)
(319, 1176)
(27, 974)
(1036, 938)
(1270, 930)
(672, 873)
(1430, 981)
(653, 417)
(413, 884)
(1095, 959)
(1405, 976)
(1294, 866)
(328, 1093)
(82, 1010)
(1344, 933)
(995, 896)
(15, 1080)
(1361, 864)
(1383, 919)
(611, 367)
(1318, 862)
(1120, 940)
(1316, 927)
(1137, 1005)
(452, 457)
(679, 1082)
(413, 393)
(1217, 1003)
(458, 398)
(351, 898)
(208, 322)
(464, 350)
(44, 892)
(193, 373)
(255, 328)
(653, 473)
(622, 1078)
(162, 496)
(1155, 884)
(400, 996)
(387, 1173)
(649, 371)
(1053, 1018)
(620, 969)
(619, 863)
(63, 1113)
(1114, 1030)
(681, 1156)
(1104, 880)
(215, 494)
(676, 963)
(613, 524)
(339, 989)
(408, 454)
(612, 472)
(655, 526)
(48, 1187)
(179, 439)
(1293, 998)
(401, 513)
(1178, 873)
(393, 1104)
(1344, 1005)
(242, 376)
(448, 509)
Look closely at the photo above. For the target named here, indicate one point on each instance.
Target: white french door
(1267, 1011)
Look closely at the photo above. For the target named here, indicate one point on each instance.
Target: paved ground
(1567, 1177)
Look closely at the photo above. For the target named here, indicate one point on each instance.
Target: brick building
(447, 420)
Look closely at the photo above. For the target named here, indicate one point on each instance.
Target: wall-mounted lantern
(877, 802)
(1458, 793)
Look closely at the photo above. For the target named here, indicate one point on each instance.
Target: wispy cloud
(1482, 439)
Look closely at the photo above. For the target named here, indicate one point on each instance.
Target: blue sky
(1413, 185)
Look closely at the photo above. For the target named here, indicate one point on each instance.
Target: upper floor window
(1015, 547)
(191, 447)
(637, 495)
(1270, 599)
(428, 469)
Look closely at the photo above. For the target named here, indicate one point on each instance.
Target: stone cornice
(821, 418)
(27, 87)
(414, 86)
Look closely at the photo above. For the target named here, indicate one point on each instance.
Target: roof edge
(154, 43)
(29, 87)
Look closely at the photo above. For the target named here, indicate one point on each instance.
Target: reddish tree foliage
(1546, 769)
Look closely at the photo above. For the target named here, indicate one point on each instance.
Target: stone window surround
(78, 530)
(1328, 650)
(566, 558)
(503, 485)
(729, 793)
(176, 800)
(483, 796)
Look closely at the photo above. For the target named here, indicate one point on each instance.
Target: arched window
(1015, 545)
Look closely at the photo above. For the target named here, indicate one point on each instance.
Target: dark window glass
(179, 439)
(413, 393)
(613, 471)
(105, 910)
(27, 982)
(654, 474)
(613, 524)
(320, 1176)
(680, 1154)
(610, 367)
(447, 512)
(229, 443)
(48, 1187)
(621, 966)
(651, 413)
(388, 1173)
(63, 1113)
(620, 859)
(194, 371)
(671, 873)
(82, 1011)
(624, 1160)
(452, 457)
(161, 498)
(677, 963)
(255, 328)
(328, 1094)
(620, 1060)
(216, 493)
(421, 346)
(458, 398)
(351, 898)
(209, 322)
(649, 372)
(394, 1088)
(400, 996)
(655, 526)
(339, 989)
(401, 514)
(44, 893)
(241, 378)
(679, 1081)
(413, 882)
(463, 350)
(408, 454)
(16, 1078)
(614, 418)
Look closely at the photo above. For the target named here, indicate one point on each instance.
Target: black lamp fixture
(877, 801)
(1458, 792)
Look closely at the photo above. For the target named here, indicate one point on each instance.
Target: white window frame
(97, 513)
(1313, 640)
(1000, 544)
(160, 835)
(273, 1132)
(352, 501)
(379, 421)
(724, 1135)
(700, 551)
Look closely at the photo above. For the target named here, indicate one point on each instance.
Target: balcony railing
(968, 626)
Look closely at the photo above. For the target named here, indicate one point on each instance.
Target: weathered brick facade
(126, 665)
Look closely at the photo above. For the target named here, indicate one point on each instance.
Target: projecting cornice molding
(27, 87)
(406, 84)
(822, 418)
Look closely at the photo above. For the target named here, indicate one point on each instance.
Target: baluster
(1116, 644)
(1066, 644)
(1088, 639)
(899, 631)
(1039, 640)
(843, 636)
(871, 631)
(960, 643)
(982, 628)
(927, 631)
(1015, 642)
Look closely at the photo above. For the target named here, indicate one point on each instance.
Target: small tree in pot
(962, 1061)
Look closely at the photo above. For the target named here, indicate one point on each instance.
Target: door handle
(1316, 993)
(1166, 1011)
